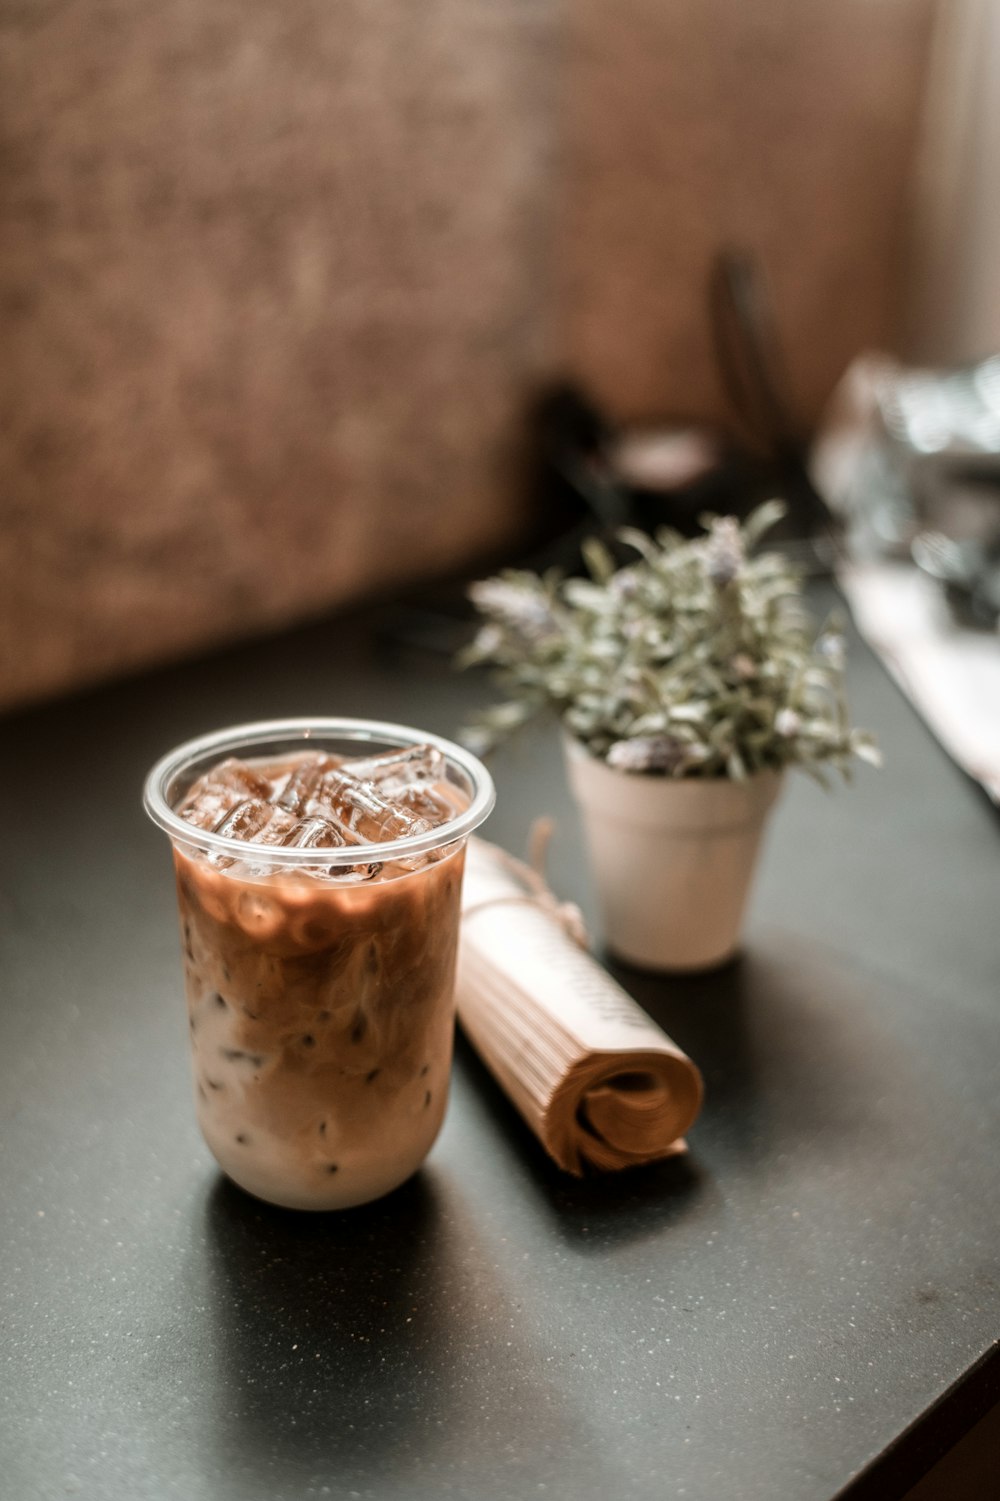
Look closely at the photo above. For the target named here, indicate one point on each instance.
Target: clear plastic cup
(320, 1004)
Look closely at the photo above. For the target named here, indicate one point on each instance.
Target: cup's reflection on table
(319, 868)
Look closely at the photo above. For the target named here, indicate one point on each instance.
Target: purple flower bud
(649, 753)
(724, 554)
(518, 609)
(625, 583)
(832, 649)
(488, 640)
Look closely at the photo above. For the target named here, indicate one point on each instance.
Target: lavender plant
(698, 659)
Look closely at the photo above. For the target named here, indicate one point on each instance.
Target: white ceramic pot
(672, 860)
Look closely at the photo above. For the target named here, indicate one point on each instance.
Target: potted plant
(686, 680)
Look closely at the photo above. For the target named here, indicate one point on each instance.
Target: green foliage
(698, 659)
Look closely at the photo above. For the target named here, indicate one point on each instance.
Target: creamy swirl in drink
(320, 995)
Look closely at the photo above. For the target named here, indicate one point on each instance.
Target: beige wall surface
(786, 126)
(270, 286)
(276, 281)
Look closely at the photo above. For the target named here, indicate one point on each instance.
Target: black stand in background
(586, 481)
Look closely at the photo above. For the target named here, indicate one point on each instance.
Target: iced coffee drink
(319, 873)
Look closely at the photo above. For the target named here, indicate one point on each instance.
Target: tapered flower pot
(672, 858)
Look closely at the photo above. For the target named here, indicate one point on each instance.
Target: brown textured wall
(275, 280)
(270, 280)
(785, 125)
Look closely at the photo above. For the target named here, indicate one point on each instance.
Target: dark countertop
(810, 1298)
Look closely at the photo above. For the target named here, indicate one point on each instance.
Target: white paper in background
(952, 676)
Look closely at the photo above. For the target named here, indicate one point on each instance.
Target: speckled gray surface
(759, 1320)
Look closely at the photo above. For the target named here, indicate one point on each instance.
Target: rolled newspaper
(596, 1080)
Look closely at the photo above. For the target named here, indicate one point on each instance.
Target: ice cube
(422, 801)
(414, 778)
(353, 875)
(226, 786)
(393, 769)
(304, 796)
(256, 822)
(312, 834)
(320, 833)
(243, 778)
(363, 810)
(299, 787)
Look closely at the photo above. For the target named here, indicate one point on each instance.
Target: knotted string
(538, 892)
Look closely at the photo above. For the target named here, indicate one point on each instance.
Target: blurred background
(281, 286)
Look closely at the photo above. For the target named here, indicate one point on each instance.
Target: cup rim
(364, 731)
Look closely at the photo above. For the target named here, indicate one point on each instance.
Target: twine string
(538, 893)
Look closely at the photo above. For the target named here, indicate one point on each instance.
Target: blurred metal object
(969, 573)
(909, 451)
(668, 471)
(592, 475)
(910, 459)
(602, 476)
(952, 417)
